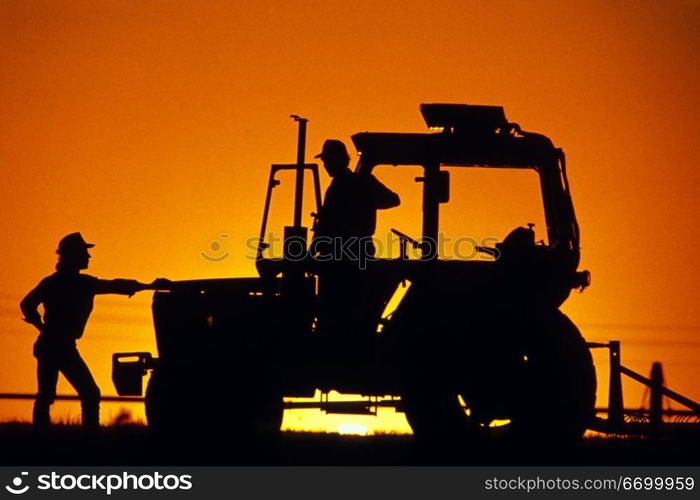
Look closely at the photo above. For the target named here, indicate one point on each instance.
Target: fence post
(656, 400)
(616, 418)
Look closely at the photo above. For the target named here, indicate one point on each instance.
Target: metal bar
(431, 211)
(272, 183)
(615, 401)
(301, 153)
(317, 186)
(665, 390)
(303, 405)
(72, 397)
(643, 411)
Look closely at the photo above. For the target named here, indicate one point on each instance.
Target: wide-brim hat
(73, 243)
(333, 148)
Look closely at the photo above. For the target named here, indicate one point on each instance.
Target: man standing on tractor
(343, 242)
(348, 217)
(67, 297)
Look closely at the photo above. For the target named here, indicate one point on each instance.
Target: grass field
(132, 444)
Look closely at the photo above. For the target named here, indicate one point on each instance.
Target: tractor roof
(470, 136)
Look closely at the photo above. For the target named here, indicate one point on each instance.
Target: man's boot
(41, 419)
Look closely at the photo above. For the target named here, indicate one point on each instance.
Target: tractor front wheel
(249, 412)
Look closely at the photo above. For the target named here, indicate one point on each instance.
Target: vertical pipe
(431, 211)
(301, 154)
(656, 399)
(615, 402)
(549, 173)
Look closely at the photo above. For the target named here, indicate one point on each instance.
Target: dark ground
(134, 445)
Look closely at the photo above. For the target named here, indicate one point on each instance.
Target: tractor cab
(479, 137)
(462, 138)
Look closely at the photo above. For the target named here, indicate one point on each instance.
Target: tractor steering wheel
(405, 240)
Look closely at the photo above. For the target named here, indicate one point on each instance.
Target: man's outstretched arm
(129, 287)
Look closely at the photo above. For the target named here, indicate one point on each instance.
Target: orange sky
(150, 128)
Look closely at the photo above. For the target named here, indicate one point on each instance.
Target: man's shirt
(350, 206)
(68, 300)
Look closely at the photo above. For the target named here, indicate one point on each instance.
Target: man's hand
(161, 284)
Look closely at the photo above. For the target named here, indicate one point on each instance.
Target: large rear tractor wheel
(556, 401)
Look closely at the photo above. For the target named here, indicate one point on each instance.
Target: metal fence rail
(72, 397)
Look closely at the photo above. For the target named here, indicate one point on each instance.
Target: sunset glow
(150, 128)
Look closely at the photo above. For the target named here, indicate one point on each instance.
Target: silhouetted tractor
(470, 343)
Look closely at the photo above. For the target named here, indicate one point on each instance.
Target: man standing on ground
(67, 297)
